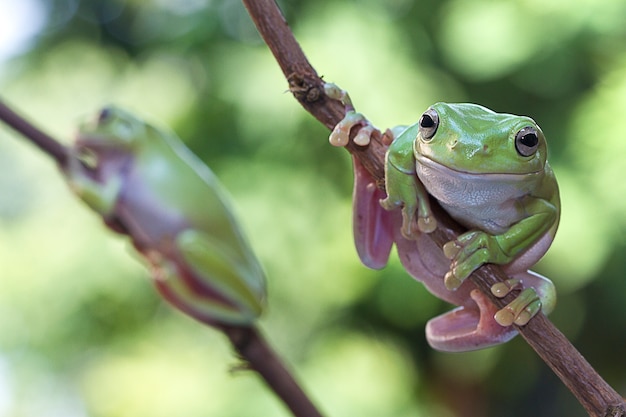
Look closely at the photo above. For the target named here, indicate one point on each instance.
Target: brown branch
(250, 344)
(595, 395)
(45, 142)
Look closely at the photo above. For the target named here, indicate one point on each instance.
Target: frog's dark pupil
(530, 139)
(427, 121)
(104, 114)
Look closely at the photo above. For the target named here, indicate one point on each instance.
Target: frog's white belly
(487, 201)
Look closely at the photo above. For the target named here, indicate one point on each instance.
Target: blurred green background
(82, 332)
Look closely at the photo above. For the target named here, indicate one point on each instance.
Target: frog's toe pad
(464, 329)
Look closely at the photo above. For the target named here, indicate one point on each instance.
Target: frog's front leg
(404, 188)
(476, 247)
(100, 196)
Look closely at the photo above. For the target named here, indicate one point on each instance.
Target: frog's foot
(468, 328)
(340, 136)
(337, 93)
(414, 221)
(468, 252)
(520, 310)
(539, 295)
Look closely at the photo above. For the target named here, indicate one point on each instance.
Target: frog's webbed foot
(469, 327)
(520, 310)
(538, 295)
(468, 252)
(340, 136)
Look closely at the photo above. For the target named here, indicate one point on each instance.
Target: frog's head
(111, 139)
(113, 128)
(473, 139)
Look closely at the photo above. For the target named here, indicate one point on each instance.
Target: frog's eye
(527, 141)
(428, 124)
(104, 115)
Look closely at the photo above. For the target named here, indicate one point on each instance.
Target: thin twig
(595, 395)
(250, 344)
(45, 142)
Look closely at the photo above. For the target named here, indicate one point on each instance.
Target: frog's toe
(451, 249)
(520, 310)
(426, 224)
(501, 289)
(340, 136)
(463, 265)
(452, 281)
(468, 328)
(409, 228)
(364, 136)
(460, 271)
(335, 92)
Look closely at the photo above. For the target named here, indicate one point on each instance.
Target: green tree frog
(146, 184)
(489, 172)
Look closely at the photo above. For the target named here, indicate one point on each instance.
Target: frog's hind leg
(372, 225)
(468, 327)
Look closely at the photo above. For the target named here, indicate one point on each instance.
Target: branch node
(305, 89)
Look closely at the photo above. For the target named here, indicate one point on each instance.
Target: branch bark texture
(260, 357)
(594, 394)
(41, 139)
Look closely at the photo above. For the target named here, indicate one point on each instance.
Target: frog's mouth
(455, 188)
(426, 164)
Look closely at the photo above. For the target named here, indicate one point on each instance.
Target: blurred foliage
(82, 332)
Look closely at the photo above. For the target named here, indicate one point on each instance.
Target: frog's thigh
(218, 267)
(177, 291)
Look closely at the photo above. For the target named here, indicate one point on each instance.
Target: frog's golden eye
(428, 124)
(527, 141)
